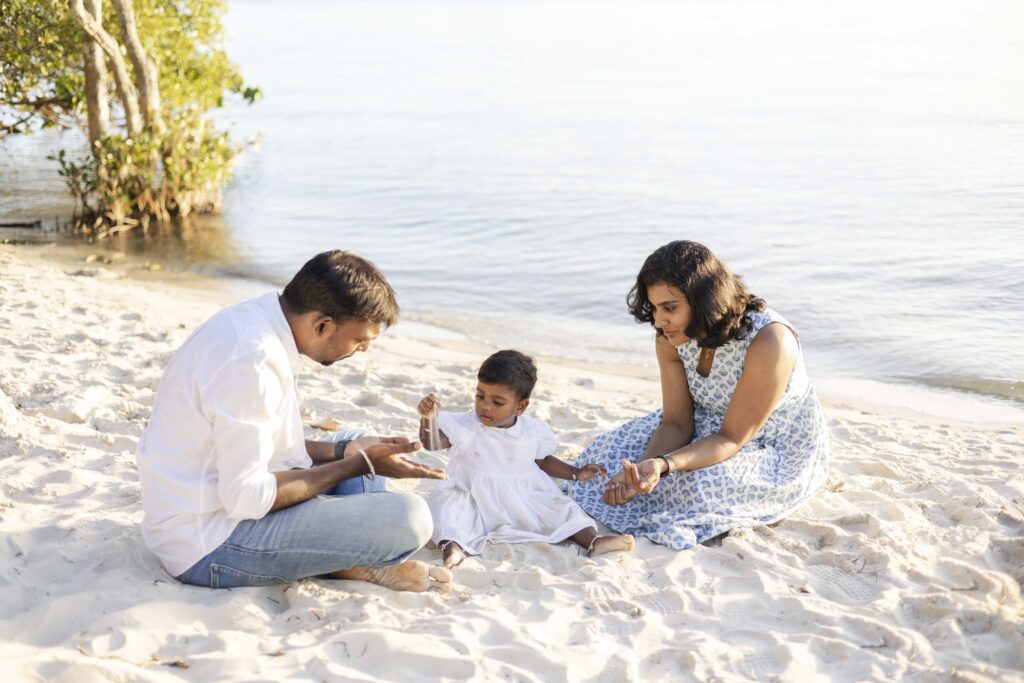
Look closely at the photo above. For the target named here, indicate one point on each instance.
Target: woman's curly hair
(719, 300)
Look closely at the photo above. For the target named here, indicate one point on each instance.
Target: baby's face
(498, 405)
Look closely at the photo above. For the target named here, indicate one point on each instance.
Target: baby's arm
(428, 409)
(554, 466)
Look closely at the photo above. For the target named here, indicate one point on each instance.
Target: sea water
(510, 164)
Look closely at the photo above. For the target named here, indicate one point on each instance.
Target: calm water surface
(510, 164)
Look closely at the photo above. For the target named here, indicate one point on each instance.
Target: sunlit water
(510, 164)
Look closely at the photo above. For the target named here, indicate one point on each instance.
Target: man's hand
(365, 442)
(389, 460)
(589, 471)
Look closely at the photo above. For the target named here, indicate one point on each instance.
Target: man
(232, 493)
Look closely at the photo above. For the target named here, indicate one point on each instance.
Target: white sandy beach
(910, 565)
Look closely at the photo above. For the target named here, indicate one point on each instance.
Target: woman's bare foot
(452, 553)
(411, 575)
(608, 544)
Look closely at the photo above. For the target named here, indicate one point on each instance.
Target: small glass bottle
(433, 435)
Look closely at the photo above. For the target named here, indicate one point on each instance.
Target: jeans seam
(289, 551)
(216, 567)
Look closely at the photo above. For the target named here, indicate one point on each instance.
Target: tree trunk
(96, 102)
(125, 88)
(145, 69)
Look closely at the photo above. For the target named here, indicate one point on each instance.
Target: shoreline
(909, 563)
(944, 405)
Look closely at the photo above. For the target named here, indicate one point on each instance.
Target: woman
(741, 439)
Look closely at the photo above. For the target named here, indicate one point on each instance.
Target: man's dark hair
(512, 369)
(342, 285)
(719, 300)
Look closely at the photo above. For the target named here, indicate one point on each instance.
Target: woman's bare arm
(768, 365)
(676, 428)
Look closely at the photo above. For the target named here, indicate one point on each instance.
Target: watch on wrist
(339, 448)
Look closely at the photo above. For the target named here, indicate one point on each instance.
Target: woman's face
(671, 311)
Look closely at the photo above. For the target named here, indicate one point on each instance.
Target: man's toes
(439, 574)
(439, 587)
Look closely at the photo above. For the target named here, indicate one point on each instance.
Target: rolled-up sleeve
(242, 401)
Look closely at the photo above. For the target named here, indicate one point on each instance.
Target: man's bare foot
(608, 544)
(452, 553)
(411, 575)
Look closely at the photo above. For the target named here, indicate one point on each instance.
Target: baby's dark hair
(512, 369)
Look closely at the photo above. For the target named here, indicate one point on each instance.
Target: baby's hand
(588, 472)
(428, 406)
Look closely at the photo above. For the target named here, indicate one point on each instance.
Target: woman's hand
(589, 471)
(617, 491)
(428, 406)
(643, 476)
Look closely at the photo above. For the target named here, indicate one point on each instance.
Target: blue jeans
(355, 524)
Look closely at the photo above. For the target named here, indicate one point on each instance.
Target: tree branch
(96, 104)
(125, 88)
(145, 69)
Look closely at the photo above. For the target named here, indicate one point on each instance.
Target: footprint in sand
(924, 610)
(834, 584)
(958, 576)
(868, 633)
(406, 662)
(858, 523)
(1008, 554)
(616, 624)
(821, 535)
(667, 604)
(882, 469)
(976, 622)
(759, 655)
(835, 651)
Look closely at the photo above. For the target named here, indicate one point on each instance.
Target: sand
(908, 565)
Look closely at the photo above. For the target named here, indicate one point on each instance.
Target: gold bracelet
(668, 464)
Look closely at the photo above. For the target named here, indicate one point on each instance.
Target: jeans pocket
(222, 576)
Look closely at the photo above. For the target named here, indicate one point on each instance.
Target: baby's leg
(452, 553)
(599, 545)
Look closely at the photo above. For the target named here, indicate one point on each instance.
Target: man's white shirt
(225, 417)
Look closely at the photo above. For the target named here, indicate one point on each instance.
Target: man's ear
(322, 325)
(522, 406)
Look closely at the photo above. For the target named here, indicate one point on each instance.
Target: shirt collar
(272, 304)
(514, 430)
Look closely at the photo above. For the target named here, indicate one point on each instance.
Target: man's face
(338, 341)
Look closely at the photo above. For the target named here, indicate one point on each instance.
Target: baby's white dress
(495, 491)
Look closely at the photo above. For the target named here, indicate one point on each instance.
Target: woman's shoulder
(773, 345)
(765, 316)
(762, 319)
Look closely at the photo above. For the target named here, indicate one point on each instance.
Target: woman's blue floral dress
(774, 473)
